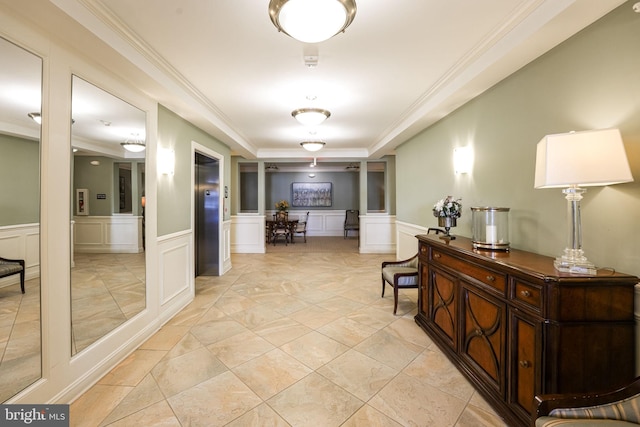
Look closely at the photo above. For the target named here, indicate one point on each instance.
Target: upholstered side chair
(615, 407)
(400, 274)
(301, 228)
(10, 267)
(351, 221)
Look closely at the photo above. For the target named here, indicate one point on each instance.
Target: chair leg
(382, 288)
(395, 299)
(22, 281)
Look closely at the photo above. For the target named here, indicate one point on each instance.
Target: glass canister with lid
(490, 228)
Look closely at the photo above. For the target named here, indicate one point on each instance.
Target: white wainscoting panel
(407, 243)
(226, 248)
(248, 234)
(377, 234)
(321, 222)
(108, 234)
(175, 262)
(21, 242)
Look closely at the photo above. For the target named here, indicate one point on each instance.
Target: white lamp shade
(589, 158)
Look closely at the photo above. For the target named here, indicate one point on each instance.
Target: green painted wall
(591, 81)
(19, 181)
(98, 180)
(345, 188)
(174, 192)
(103, 179)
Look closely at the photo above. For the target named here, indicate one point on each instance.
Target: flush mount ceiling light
(134, 145)
(35, 117)
(312, 145)
(310, 116)
(312, 21)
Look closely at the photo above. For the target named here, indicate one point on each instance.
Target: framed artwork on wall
(311, 194)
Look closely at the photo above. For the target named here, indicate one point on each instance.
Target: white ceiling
(399, 67)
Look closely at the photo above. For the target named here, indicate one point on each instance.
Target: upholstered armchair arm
(410, 262)
(599, 405)
(19, 261)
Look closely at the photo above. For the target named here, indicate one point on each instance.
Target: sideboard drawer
(528, 294)
(491, 278)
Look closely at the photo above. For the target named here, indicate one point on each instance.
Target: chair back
(352, 218)
(301, 226)
(281, 216)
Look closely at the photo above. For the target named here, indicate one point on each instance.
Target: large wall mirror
(20, 105)
(107, 191)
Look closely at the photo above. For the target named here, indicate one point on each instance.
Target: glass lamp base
(574, 261)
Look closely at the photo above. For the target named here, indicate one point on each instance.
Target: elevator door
(207, 215)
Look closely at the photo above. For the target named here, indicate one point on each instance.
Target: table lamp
(574, 160)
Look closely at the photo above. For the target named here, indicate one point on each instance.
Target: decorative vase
(447, 222)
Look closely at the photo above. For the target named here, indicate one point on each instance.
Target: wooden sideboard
(517, 327)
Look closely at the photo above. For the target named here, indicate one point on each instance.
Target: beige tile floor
(20, 361)
(106, 291)
(288, 340)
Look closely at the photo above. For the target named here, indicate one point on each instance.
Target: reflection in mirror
(108, 261)
(20, 95)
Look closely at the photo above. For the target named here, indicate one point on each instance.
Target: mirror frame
(20, 126)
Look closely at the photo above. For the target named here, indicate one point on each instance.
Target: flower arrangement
(448, 207)
(282, 205)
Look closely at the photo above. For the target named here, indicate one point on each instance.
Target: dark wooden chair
(301, 228)
(620, 406)
(400, 274)
(351, 222)
(9, 267)
(280, 227)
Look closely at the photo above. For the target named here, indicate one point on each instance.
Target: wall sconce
(463, 159)
(166, 161)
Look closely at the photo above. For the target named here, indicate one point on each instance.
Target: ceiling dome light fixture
(311, 116)
(135, 145)
(312, 145)
(312, 21)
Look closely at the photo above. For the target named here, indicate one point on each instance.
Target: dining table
(291, 225)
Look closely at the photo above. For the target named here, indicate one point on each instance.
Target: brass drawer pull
(491, 278)
(525, 363)
(436, 255)
(525, 293)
